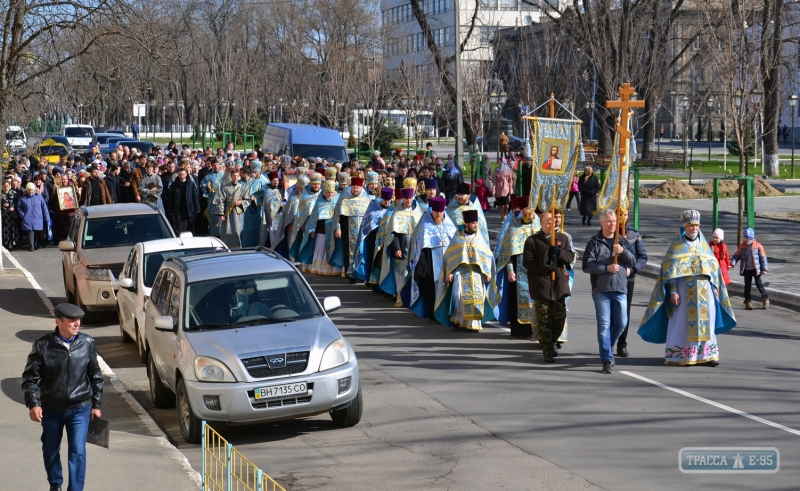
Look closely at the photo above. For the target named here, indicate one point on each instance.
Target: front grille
(258, 367)
(282, 402)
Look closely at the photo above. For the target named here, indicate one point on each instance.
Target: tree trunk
(649, 129)
(771, 40)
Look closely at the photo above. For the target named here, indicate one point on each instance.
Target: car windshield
(124, 230)
(153, 261)
(104, 138)
(329, 152)
(78, 132)
(249, 300)
(52, 150)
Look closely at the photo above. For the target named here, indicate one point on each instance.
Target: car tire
(140, 344)
(351, 415)
(162, 397)
(191, 426)
(126, 338)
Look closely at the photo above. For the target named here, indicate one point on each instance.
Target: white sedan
(138, 274)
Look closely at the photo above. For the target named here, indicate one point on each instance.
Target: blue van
(304, 140)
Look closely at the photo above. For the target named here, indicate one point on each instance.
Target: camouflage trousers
(550, 319)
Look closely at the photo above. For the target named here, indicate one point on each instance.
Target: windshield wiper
(213, 325)
(263, 320)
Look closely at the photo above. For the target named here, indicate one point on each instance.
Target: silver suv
(239, 337)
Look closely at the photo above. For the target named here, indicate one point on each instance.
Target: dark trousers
(77, 424)
(622, 342)
(550, 318)
(182, 224)
(749, 274)
(36, 239)
(577, 196)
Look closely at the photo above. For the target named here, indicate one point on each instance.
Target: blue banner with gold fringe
(556, 150)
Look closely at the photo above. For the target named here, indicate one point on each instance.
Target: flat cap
(68, 310)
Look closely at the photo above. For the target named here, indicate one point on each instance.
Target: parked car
(16, 141)
(96, 248)
(138, 274)
(79, 135)
(60, 139)
(51, 151)
(239, 337)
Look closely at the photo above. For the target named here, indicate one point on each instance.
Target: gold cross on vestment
(625, 93)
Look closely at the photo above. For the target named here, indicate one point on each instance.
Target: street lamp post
(710, 103)
(171, 116)
(792, 104)
(497, 101)
(163, 116)
(333, 110)
(406, 104)
(181, 119)
(737, 102)
(594, 94)
(685, 105)
(359, 116)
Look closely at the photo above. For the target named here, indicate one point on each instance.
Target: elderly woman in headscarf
(451, 178)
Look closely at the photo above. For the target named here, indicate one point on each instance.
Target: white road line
(149, 423)
(712, 403)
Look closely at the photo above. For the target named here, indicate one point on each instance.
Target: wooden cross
(625, 93)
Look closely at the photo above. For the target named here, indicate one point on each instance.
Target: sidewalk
(660, 221)
(136, 461)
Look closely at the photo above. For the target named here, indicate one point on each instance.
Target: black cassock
(423, 275)
(344, 225)
(517, 329)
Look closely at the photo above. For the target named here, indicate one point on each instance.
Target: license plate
(278, 391)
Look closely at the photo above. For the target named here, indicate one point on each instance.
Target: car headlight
(98, 274)
(336, 354)
(208, 369)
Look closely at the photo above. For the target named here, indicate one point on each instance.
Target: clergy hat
(344, 178)
(372, 177)
(432, 184)
(274, 175)
(407, 193)
(68, 311)
(302, 181)
(389, 182)
(255, 165)
(438, 204)
(330, 185)
(690, 217)
(330, 173)
(316, 178)
(462, 188)
(470, 216)
(357, 181)
(387, 193)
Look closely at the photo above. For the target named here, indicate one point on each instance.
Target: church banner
(556, 149)
(610, 190)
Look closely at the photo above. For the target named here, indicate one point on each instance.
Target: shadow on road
(12, 388)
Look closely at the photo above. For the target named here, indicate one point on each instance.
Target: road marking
(712, 403)
(149, 422)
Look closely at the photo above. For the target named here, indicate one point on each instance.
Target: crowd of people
(411, 229)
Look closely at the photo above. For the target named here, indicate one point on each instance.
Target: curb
(147, 420)
(781, 298)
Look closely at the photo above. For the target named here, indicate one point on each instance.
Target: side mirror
(185, 235)
(331, 304)
(66, 246)
(126, 283)
(164, 323)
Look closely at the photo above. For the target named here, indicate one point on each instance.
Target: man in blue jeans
(609, 284)
(63, 388)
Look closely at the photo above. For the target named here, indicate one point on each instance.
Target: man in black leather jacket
(63, 387)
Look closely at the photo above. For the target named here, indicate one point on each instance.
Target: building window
(508, 4)
(486, 35)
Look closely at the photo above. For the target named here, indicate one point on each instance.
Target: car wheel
(351, 415)
(140, 344)
(126, 338)
(161, 395)
(191, 425)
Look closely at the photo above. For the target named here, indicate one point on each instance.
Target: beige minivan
(98, 245)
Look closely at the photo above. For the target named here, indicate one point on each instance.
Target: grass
(714, 167)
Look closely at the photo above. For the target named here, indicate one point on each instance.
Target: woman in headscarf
(451, 178)
(33, 214)
(9, 210)
(589, 186)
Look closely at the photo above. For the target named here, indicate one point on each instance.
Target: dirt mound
(729, 188)
(674, 189)
(763, 188)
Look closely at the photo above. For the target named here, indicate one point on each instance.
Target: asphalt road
(446, 409)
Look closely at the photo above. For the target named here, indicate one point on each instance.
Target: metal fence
(226, 469)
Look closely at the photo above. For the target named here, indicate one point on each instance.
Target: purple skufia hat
(406, 193)
(431, 184)
(438, 204)
(387, 193)
(470, 216)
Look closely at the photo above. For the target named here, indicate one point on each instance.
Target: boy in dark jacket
(548, 282)
(753, 265)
